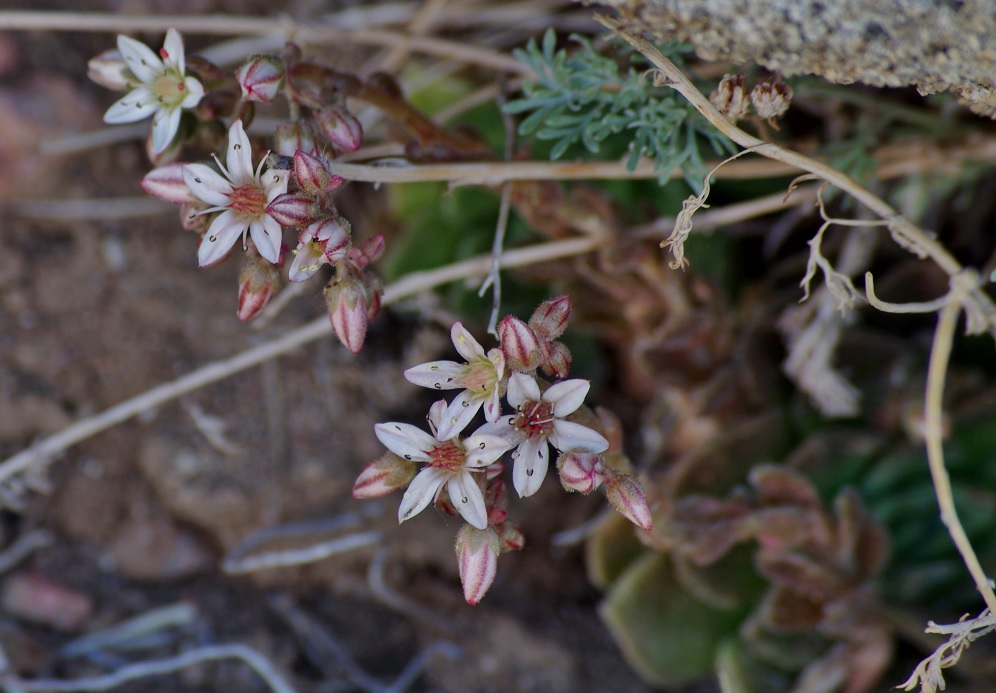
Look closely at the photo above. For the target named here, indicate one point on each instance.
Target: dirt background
(93, 312)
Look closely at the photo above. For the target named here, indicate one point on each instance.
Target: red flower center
(535, 419)
(248, 200)
(449, 456)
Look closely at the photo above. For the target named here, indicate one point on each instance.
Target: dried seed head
(730, 97)
(771, 99)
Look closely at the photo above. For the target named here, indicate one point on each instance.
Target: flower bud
(191, 218)
(293, 209)
(519, 342)
(312, 173)
(556, 360)
(510, 537)
(382, 476)
(261, 78)
(771, 99)
(477, 557)
(340, 127)
(110, 70)
(347, 310)
(166, 183)
(325, 241)
(373, 248)
(549, 320)
(581, 471)
(730, 97)
(627, 496)
(293, 136)
(257, 282)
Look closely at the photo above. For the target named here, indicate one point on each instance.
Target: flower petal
(467, 498)
(530, 466)
(239, 158)
(267, 234)
(465, 344)
(522, 388)
(307, 259)
(194, 90)
(568, 435)
(484, 450)
(142, 62)
(219, 239)
(492, 406)
(405, 440)
(422, 491)
(164, 126)
(567, 396)
(274, 183)
(439, 375)
(503, 428)
(173, 49)
(435, 416)
(462, 409)
(138, 104)
(207, 184)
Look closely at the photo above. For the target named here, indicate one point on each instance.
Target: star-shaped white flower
(479, 377)
(161, 88)
(241, 196)
(449, 462)
(538, 421)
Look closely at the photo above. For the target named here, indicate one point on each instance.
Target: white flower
(448, 462)
(324, 241)
(539, 420)
(479, 377)
(241, 196)
(161, 88)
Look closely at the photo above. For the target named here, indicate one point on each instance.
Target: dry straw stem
(285, 27)
(940, 354)
(905, 232)
(157, 667)
(42, 452)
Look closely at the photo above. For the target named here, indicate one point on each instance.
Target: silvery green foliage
(581, 97)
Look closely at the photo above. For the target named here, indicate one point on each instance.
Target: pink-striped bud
(312, 173)
(191, 218)
(110, 70)
(520, 345)
(556, 360)
(258, 281)
(166, 183)
(477, 557)
(347, 310)
(627, 496)
(340, 127)
(261, 78)
(511, 537)
(293, 209)
(549, 320)
(294, 136)
(382, 476)
(373, 248)
(581, 471)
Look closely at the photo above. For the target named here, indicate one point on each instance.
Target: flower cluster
(252, 201)
(248, 200)
(463, 475)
